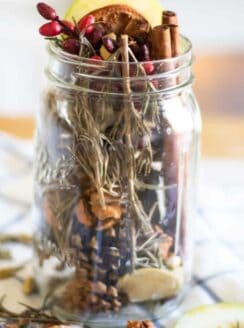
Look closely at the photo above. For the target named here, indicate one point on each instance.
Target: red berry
(141, 52)
(145, 55)
(72, 46)
(149, 67)
(51, 29)
(96, 57)
(85, 24)
(95, 37)
(69, 25)
(46, 11)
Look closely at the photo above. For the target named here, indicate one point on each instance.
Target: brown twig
(131, 173)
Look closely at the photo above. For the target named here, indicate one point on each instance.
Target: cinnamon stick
(166, 44)
(169, 18)
(175, 40)
(161, 42)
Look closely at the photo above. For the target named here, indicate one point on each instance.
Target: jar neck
(106, 77)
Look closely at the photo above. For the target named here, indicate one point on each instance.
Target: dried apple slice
(151, 284)
(214, 316)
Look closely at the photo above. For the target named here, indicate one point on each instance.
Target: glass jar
(115, 187)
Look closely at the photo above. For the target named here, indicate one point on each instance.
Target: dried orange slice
(151, 10)
(119, 17)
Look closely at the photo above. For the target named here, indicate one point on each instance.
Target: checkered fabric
(219, 250)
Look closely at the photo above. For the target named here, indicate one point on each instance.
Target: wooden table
(222, 135)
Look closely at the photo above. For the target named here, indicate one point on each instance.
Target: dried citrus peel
(214, 316)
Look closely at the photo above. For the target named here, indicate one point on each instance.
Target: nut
(173, 262)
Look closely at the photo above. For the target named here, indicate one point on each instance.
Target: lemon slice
(150, 9)
(214, 316)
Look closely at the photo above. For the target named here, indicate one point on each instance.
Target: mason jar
(115, 187)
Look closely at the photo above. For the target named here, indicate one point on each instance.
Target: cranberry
(69, 25)
(110, 44)
(51, 29)
(72, 46)
(96, 57)
(135, 49)
(141, 52)
(149, 67)
(95, 37)
(145, 52)
(86, 24)
(138, 86)
(46, 11)
(94, 61)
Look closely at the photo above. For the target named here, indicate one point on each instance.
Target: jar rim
(170, 75)
(75, 59)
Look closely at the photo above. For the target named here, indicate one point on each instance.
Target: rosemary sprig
(6, 273)
(5, 254)
(30, 314)
(21, 238)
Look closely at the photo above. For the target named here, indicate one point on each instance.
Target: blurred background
(216, 29)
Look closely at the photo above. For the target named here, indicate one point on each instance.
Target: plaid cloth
(219, 251)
